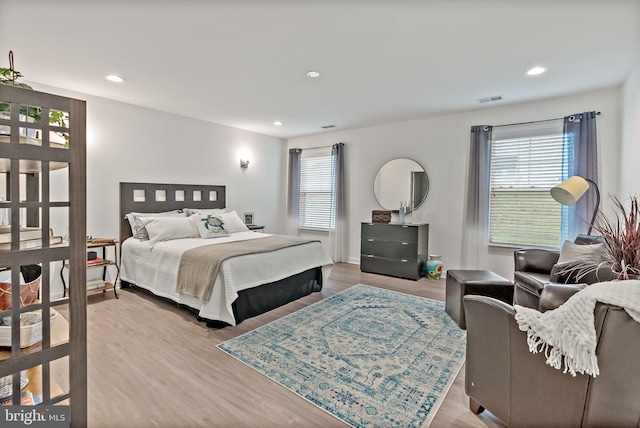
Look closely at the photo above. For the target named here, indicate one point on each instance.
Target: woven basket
(28, 293)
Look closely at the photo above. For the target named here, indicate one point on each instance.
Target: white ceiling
(243, 63)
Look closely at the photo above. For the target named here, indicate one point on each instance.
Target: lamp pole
(595, 211)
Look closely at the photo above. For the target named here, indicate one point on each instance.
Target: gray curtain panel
(475, 227)
(293, 192)
(338, 235)
(580, 129)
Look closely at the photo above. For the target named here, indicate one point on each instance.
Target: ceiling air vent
(490, 99)
(328, 126)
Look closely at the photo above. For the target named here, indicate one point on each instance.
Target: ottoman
(484, 282)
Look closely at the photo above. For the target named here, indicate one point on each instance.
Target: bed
(245, 284)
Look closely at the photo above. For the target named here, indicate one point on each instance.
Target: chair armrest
(502, 375)
(487, 365)
(554, 295)
(535, 259)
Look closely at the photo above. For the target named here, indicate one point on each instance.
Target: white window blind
(523, 170)
(316, 186)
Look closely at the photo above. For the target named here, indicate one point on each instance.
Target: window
(316, 190)
(525, 164)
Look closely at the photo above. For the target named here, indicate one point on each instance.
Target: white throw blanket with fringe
(567, 334)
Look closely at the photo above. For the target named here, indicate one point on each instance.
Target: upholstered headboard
(154, 197)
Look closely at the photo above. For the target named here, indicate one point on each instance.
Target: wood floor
(151, 364)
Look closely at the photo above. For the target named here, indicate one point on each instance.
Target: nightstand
(255, 227)
(100, 284)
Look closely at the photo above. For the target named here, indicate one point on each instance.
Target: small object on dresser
(380, 216)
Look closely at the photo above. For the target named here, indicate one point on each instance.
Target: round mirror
(401, 181)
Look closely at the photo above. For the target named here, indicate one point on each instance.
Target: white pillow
(571, 251)
(233, 223)
(168, 228)
(209, 225)
(217, 211)
(135, 224)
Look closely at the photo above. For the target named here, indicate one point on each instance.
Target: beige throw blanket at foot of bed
(567, 334)
(199, 266)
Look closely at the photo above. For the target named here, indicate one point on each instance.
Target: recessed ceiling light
(313, 73)
(277, 123)
(534, 71)
(114, 78)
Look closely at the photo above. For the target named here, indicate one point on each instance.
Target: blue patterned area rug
(369, 356)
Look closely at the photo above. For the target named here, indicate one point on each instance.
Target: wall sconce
(244, 164)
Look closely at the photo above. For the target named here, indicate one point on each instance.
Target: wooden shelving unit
(28, 163)
(101, 284)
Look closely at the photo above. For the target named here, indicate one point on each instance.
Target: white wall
(441, 145)
(129, 143)
(630, 122)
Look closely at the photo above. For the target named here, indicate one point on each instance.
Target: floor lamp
(569, 191)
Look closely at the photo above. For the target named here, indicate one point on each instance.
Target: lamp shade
(570, 190)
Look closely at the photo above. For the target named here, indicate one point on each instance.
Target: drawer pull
(404, 260)
(405, 226)
(405, 243)
(370, 240)
(369, 255)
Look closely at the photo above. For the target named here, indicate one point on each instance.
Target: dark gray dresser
(394, 249)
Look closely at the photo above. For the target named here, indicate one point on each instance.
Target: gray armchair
(519, 388)
(534, 268)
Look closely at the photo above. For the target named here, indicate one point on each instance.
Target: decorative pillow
(168, 228)
(143, 235)
(133, 220)
(571, 251)
(210, 225)
(216, 211)
(233, 223)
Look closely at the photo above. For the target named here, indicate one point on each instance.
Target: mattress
(155, 268)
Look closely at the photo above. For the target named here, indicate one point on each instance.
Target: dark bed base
(258, 300)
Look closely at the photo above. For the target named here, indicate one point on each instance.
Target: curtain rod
(534, 121)
(313, 148)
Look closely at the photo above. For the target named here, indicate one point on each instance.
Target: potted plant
(621, 235)
(9, 76)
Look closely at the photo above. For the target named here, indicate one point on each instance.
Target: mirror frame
(411, 208)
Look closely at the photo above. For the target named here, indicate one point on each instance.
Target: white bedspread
(156, 269)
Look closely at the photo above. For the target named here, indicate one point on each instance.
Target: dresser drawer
(389, 249)
(382, 232)
(381, 265)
